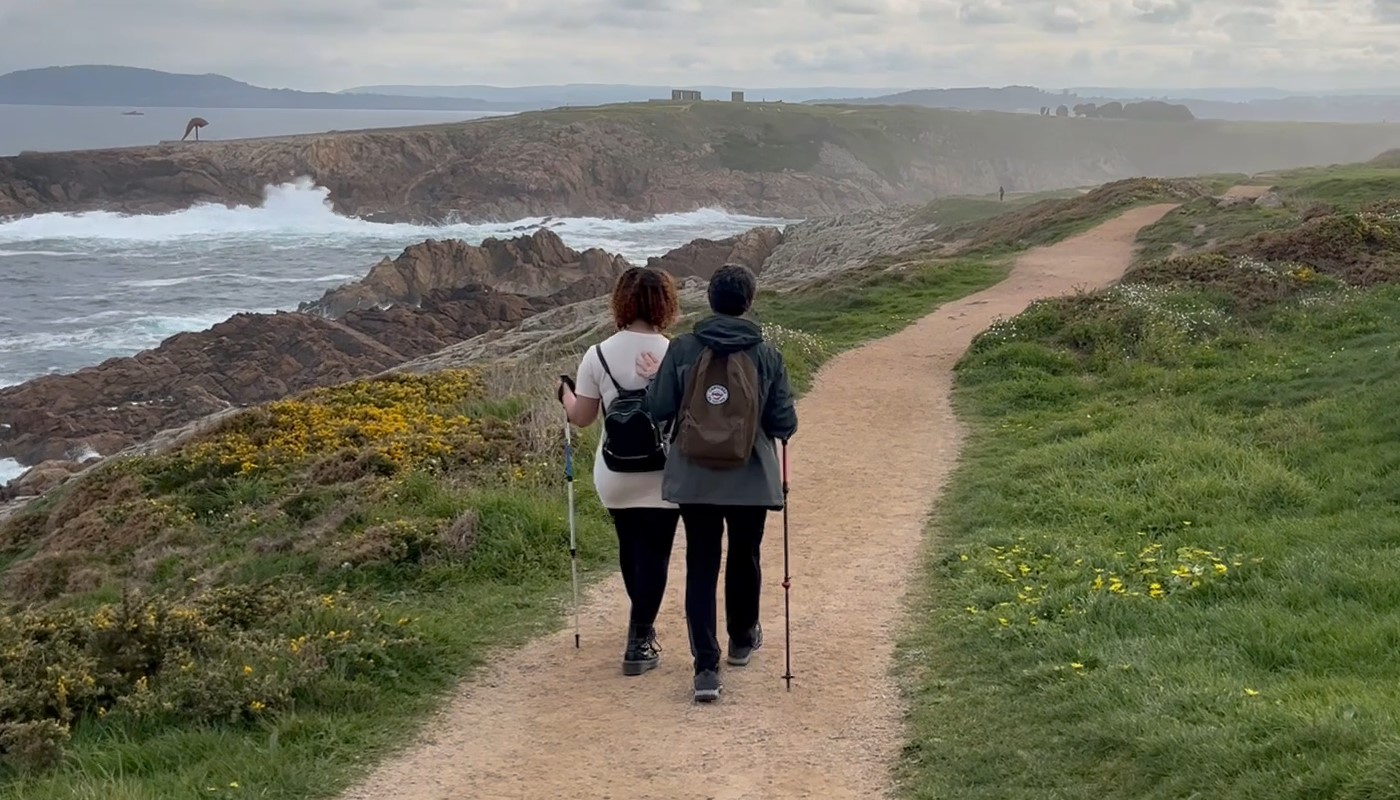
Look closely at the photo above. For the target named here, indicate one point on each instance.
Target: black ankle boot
(643, 653)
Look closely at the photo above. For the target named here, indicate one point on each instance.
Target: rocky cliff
(433, 295)
(640, 159)
(537, 264)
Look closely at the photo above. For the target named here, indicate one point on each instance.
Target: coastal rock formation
(538, 264)
(816, 248)
(434, 295)
(249, 358)
(777, 160)
(702, 257)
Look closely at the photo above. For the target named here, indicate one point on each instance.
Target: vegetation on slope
(1166, 565)
(267, 607)
(895, 141)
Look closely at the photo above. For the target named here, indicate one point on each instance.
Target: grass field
(1166, 566)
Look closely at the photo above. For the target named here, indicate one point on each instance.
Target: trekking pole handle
(785, 469)
(568, 452)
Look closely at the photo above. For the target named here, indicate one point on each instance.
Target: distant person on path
(1003, 193)
(727, 391)
(644, 304)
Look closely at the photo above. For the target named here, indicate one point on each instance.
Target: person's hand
(647, 365)
(565, 382)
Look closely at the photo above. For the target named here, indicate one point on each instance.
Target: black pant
(644, 539)
(704, 525)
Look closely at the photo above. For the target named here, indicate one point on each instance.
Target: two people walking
(690, 433)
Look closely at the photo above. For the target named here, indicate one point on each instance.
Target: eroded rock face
(249, 358)
(537, 264)
(702, 257)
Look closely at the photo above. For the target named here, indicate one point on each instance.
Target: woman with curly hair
(644, 305)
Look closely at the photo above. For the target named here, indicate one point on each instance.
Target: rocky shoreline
(434, 294)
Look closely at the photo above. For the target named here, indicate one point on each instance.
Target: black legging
(644, 540)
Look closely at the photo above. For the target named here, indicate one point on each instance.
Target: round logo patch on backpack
(716, 395)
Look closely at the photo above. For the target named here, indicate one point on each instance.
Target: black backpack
(632, 442)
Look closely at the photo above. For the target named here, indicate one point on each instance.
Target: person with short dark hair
(644, 305)
(740, 371)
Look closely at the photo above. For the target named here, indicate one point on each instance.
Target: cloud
(1163, 11)
(333, 44)
(984, 12)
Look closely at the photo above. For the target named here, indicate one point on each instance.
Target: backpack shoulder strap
(598, 348)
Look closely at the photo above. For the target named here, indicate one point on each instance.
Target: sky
(328, 45)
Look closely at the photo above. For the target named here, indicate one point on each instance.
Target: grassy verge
(1166, 565)
(852, 308)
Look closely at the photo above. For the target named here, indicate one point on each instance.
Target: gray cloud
(332, 44)
(984, 12)
(1163, 11)
(1062, 18)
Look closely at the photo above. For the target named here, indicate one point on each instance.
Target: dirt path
(877, 441)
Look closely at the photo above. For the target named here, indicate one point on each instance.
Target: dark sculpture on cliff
(194, 124)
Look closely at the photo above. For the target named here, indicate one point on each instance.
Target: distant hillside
(133, 86)
(779, 160)
(1330, 107)
(598, 94)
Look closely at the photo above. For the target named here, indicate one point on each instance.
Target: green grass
(955, 212)
(855, 307)
(1347, 186)
(1108, 435)
(1201, 223)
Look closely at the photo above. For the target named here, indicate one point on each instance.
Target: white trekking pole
(573, 540)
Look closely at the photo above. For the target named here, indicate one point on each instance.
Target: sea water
(76, 289)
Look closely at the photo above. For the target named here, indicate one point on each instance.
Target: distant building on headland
(684, 94)
(736, 97)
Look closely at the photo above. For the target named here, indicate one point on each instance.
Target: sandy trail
(878, 439)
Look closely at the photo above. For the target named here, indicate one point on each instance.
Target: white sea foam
(9, 470)
(83, 287)
(300, 211)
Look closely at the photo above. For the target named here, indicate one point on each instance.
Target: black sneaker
(643, 654)
(707, 686)
(740, 656)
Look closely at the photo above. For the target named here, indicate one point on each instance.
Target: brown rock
(43, 477)
(538, 264)
(123, 400)
(703, 256)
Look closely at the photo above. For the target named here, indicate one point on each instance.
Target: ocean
(90, 127)
(76, 289)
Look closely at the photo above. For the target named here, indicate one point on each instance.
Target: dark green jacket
(759, 483)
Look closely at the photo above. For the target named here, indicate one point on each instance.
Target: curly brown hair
(645, 294)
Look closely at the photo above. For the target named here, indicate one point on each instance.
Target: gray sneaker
(740, 656)
(707, 686)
